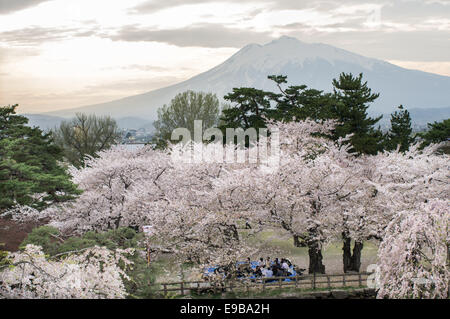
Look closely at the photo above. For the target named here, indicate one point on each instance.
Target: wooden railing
(316, 281)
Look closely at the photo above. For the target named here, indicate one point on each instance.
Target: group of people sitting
(266, 268)
(263, 268)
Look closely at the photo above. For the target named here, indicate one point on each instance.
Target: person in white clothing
(269, 272)
(264, 272)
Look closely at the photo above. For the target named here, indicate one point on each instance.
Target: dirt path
(12, 233)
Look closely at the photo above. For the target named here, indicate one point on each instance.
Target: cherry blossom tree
(320, 192)
(313, 188)
(315, 178)
(414, 257)
(133, 188)
(304, 194)
(90, 274)
(108, 183)
(390, 182)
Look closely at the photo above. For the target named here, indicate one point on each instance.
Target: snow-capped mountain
(313, 64)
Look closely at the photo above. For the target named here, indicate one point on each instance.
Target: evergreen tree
(437, 132)
(252, 108)
(299, 102)
(30, 172)
(352, 98)
(401, 131)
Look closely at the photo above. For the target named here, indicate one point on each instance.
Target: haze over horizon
(56, 54)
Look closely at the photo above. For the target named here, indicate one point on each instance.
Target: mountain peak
(281, 41)
(312, 64)
(250, 47)
(286, 39)
(284, 50)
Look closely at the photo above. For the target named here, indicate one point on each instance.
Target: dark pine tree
(400, 133)
(251, 109)
(299, 102)
(352, 99)
(30, 164)
(438, 132)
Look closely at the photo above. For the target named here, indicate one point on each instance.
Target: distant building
(133, 136)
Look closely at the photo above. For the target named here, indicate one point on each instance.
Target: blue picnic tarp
(253, 264)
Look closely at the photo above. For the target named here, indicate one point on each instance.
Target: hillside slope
(304, 63)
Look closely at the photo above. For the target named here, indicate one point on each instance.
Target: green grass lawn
(275, 240)
(273, 243)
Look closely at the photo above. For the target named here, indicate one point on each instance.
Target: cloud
(157, 5)
(408, 12)
(400, 45)
(35, 35)
(9, 6)
(415, 11)
(15, 55)
(197, 35)
(153, 6)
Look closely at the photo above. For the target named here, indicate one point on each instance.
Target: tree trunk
(232, 232)
(448, 266)
(448, 255)
(351, 261)
(355, 263)
(117, 221)
(315, 259)
(347, 253)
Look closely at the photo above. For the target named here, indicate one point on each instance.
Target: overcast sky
(57, 54)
